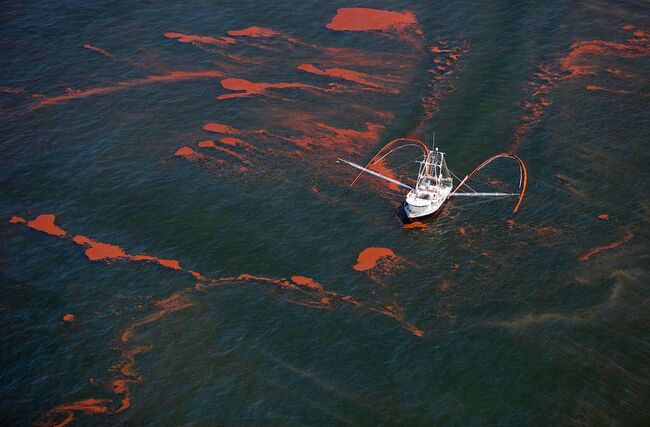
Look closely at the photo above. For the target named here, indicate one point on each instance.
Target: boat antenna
(433, 141)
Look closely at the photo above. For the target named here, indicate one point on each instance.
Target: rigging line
(466, 184)
(423, 147)
(460, 180)
(482, 182)
(403, 164)
(395, 149)
(523, 175)
(454, 175)
(487, 183)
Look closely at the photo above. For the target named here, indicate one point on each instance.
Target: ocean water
(180, 247)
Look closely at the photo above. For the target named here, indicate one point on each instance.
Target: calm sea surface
(179, 245)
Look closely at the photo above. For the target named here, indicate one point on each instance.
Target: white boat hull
(417, 206)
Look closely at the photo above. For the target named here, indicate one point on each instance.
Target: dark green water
(542, 321)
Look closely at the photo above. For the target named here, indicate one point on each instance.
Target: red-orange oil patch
(342, 135)
(124, 374)
(19, 91)
(622, 74)
(603, 217)
(615, 91)
(254, 32)
(381, 167)
(626, 238)
(219, 128)
(99, 50)
(251, 277)
(190, 38)
(143, 257)
(414, 224)
(324, 136)
(17, 220)
(68, 317)
(14, 90)
(197, 275)
(307, 281)
(233, 154)
(446, 67)
(341, 73)
(574, 64)
(175, 302)
(436, 49)
(170, 263)
(369, 257)
(173, 76)
(45, 223)
(99, 251)
(87, 406)
(235, 142)
(248, 88)
(396, 313)
(206, 144)
(188, 153)
(366, 19)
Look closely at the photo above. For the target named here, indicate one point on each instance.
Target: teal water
(537, 321)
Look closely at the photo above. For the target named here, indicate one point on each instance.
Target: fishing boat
(432, 188)
(434, 184)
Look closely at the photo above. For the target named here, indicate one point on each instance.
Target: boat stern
(415, 207)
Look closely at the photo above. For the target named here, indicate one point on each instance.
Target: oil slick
(371, 82)
(188, 153)
(377, 263)
(94, 250)
(295, 132)
(190, 38)
(170, 77)
(311, 293)
(578, 62)
(369, 257)
(598, 249)
(243, 87)
(366, 19)
(255, 32)
(44, 223)
(350, 71)
(447, 56)
(99, 50)
(339, 64)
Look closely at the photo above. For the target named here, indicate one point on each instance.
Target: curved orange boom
(523, 175)
(378, 156)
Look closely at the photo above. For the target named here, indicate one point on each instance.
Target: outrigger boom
(377, 174)
(483, 194)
